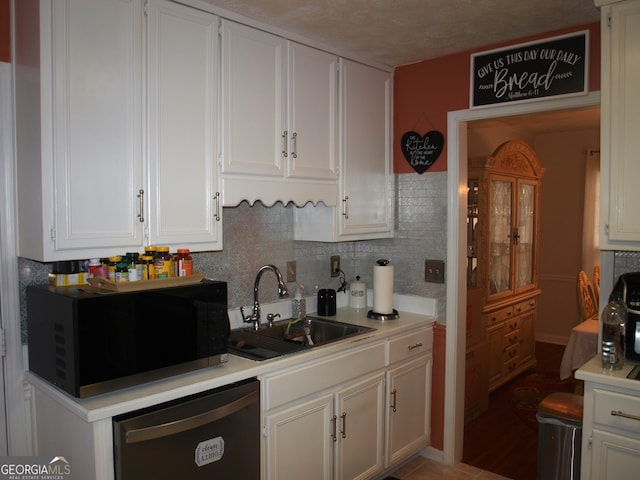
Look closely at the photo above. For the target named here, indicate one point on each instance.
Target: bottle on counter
(184, 263)
(614, 319)
(122, 272)
(111, 266)
(299, 304)
(163, 263)
(148, 272)
(135, 272)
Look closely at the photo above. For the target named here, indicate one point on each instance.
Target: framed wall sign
(550, 67)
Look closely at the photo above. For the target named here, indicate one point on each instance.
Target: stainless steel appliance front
(212, 435)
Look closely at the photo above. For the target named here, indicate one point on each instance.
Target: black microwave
(88, 342)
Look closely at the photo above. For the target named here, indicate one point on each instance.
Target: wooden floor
(498, 441)
(497, 446)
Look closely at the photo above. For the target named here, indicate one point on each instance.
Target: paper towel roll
(383, 289)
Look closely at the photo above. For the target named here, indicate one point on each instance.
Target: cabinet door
(501, 219)
(614, 456)
(360, 410)
(313, 112)
(621, 103)
(365, 171)
(408, 409)
(182, 78)
(299, 441)
(253, 106)
(525, 233)
(97, 123)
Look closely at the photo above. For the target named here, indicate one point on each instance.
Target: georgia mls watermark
(35, 468)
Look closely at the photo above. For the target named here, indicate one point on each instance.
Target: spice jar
(163, 263)
(148, 272)
(111, 266)
(184, 263)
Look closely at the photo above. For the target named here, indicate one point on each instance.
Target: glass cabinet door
(500, 225)
(524, 234)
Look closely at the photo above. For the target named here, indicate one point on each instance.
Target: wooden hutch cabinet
(502, 278)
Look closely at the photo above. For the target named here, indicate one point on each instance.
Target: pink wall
(425, 92)
(5, 33)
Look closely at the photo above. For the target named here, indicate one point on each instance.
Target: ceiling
(399, 32)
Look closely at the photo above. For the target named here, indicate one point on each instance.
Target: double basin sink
(290, 336)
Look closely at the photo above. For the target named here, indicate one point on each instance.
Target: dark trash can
(559, 436)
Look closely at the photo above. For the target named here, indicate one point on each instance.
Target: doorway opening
(457, 247)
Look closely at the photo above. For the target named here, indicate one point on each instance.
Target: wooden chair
(596, 284)
(586, 299)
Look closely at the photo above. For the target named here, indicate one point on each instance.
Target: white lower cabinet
(614, 456)
(409, 412)
(351, 416)
(611, 426)
(338, 435)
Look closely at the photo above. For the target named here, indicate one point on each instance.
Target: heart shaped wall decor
(422, 151)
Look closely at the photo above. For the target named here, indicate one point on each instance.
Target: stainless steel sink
(290, 336)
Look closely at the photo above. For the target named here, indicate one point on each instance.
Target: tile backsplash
(258, 235)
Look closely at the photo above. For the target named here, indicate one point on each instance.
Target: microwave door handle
(190, 423)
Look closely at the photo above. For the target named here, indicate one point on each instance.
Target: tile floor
(422, 468)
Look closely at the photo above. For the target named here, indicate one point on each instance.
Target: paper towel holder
(383, 316)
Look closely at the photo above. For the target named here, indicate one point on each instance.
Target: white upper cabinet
(620, 110)
(279, 109)
(365, 205)
(182, 77)
(79, 101)
(90, 181)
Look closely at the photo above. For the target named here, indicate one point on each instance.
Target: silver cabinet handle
(285, 140)
(294, 138)
(343, 431)
(217, 197)
(393, 404)
(620, 413)
(190, 423)
(334, 420)
(141, 211)
(345, 207)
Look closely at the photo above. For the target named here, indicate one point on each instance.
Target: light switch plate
(291, 271)
(434, 271)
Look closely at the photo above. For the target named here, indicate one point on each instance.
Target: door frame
(456, 291)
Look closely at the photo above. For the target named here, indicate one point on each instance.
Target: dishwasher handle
(171, 428)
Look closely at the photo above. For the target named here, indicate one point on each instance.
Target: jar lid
(116, 258)
(163, 249)
(183, 250)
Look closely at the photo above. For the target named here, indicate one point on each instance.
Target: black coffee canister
(326, 302)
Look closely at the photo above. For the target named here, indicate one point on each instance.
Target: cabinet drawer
(498, 316)
(410, 345)
(322, 374)
(510, 366)
(617, 410)
(511, 339)
(525, 306)
(512, 325)
(512, 352)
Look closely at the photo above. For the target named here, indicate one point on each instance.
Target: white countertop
(419, 312)
(592, 371)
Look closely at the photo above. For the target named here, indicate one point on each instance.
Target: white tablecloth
(582, 347)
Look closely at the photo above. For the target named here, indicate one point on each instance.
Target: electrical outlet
(335, 265)
(434, 271)
(291, 272)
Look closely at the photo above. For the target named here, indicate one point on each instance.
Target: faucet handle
(270, 318)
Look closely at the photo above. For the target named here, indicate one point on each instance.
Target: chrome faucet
(282, 292)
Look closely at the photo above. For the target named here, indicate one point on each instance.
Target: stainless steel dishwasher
(215, 434)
